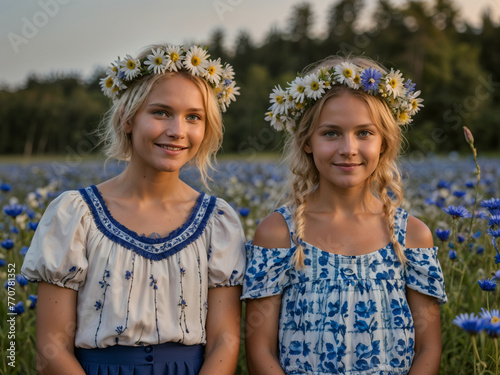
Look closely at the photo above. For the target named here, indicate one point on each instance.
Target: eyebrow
(334, 126)
(170, 108)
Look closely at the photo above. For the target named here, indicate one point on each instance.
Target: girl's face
(168, 128)
(346, 144)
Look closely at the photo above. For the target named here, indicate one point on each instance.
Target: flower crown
(288, 106)
(194, 60)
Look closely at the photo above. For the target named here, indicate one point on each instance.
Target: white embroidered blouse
(135, 290)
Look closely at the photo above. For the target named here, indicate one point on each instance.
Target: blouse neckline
(134, 234)
(151, 248)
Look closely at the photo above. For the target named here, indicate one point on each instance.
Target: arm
(55, 330)
(424, 310)
(262, 314)
(223, 331)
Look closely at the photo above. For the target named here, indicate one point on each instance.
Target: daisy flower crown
(288, 106)
(171, 58)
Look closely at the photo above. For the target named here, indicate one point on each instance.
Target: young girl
(341, 280)
(140, 274)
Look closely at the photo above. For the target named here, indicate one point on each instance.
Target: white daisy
(174, 54)
(107, 83)
(130, 67)
(114, 68)
(345, 73)
(196, 61)
(278, 100)
(290, 125)
(228, 72)
(214, 71)
(157, 61)
(394, 83)
(297, 89)
(314, 87)
(415, 103)
(271, 117)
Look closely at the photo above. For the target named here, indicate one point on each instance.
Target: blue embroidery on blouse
(150, 248)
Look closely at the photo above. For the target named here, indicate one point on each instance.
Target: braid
(300, 226)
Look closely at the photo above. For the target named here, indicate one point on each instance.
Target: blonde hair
(117, 142)
(385, 182)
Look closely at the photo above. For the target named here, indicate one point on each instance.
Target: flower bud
(468, 135)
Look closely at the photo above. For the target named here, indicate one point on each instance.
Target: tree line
(456, 65)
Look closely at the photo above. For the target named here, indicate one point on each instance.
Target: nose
(349, 146)
(176, 128)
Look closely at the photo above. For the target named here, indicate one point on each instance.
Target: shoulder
(418, 234)
(272, 232)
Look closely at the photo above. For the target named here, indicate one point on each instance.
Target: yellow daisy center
(195, 60)
(495, 319)
(131, 64)
(300, 88)
(109, 82)
(315, 86)
(211, 70)
(174, 56)
(347, 72)
(114, 69)
(393, 83)
(115, 89)
(217, 90)
(270, 114)
(158, 61)
(403, 116)
(299, 105)
(414, 104)
(357, 79)
(279, 99)
(228, 91)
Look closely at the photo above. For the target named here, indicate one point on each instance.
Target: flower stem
(497, 359)
(476, 352)
(478, 174)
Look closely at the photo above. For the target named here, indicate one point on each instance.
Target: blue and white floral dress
(344, 314)
(135, 290)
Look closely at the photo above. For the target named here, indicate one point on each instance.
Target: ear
(307, 148)
(382, 148)
(127, 127)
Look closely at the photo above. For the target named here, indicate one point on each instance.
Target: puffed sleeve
(268, 271)
(226, 255)
(424, 274)
(57, 253)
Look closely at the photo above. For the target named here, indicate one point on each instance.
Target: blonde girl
(140, 274)
(341, 279)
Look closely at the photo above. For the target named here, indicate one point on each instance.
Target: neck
(347, 202)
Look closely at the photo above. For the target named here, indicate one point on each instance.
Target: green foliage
(456, 66)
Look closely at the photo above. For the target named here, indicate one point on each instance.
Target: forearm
(263, 363)
(426, 362)
(58, 363)
(222, 359)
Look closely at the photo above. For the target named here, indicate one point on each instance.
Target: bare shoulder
(418, 234)
(272, 232)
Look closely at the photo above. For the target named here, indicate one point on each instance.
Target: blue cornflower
(13, 210)
(492, 232)
(494, 221)
(5, 187)
(14, 230)
(32, 300)
(459, 193)
(370, 79)
(244, 211)
(442, 234)
(452, 254)
(21, 280)
(457, 212)
(460, 238)
(19, 308)
(491, 322)
(480, 250)
(469, 185)
(32, 226)
(409, 86)
(2, 262)
(471, 323)
(487, 285)
(496, 275)
(443, 184)
(7, 244)
(493, 205)
(24, 250)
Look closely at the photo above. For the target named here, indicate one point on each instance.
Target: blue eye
(193, 117)
(160, 113)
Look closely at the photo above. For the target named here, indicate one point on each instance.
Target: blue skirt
(163, 359)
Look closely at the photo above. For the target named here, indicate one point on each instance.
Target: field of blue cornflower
(441, 192)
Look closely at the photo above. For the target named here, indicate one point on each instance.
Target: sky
(43, 36)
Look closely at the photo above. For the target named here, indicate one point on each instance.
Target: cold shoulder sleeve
(57, 253)
(268, 271)
(424, 274)
(226, 254)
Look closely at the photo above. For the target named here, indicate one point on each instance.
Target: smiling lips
(170, 149)
(347, 167)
